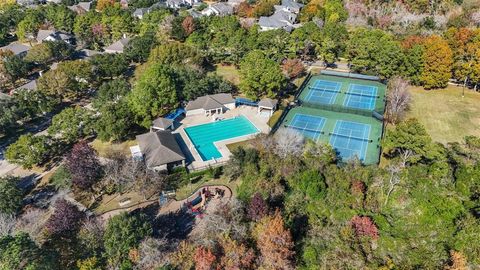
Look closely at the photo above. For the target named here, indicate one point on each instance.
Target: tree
(40, 54)
(204, 259)
(235, 255)
(65, 220)
(20, 252)
(61, 179)
(27, 28)
(10, 195)
(258, 208)
(111, 92)
(274, 242)
(139, 47)
(7, 224)
(374, 52)
(176, 54)
(153, 253)
(437, 63)
(188, 25)
(398, 99)
(153, 95)
(123, 233)
(72, 124)
(288, 142)
(109, 65)
(91, 263)
(83, 165)
(16, 67)
(411, 141)
(103, 4)
(70, 80)
(364, 226)
(29, 150)
(260, 76)
(293, 68)
(33, 103)
(458, 261)
(115, 121)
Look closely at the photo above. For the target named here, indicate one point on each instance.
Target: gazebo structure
(267, 104)
(162, 124)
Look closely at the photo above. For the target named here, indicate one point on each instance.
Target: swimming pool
(203, 136)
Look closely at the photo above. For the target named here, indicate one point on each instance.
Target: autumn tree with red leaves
(83, 165)
(188, 25)
(258, 208)
(204, 259)
(274, 242)
(364, 226)
(293, 68)
(65, 220)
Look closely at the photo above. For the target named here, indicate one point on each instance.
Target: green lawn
(106, 148)
(229, 73)
(447, 116)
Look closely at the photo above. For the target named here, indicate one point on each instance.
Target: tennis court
(350, 139)
(310, 126)
(323, 91)
(361, 97)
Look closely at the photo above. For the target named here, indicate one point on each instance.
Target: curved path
(174, 205)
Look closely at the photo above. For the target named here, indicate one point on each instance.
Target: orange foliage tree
(235, 255)
(457, 261)
(188, 25)
(204, 259)
(437, 63)
(274, 242)
(103, 4)
(293, 68)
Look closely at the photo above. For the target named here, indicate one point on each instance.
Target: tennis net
(323, 89)
(350, 137)
(362, 95)
(304, 129)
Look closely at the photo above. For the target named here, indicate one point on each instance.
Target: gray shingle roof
(57, 35)
(162, 123)
(268, 103)
(159, 148)
(118, 45)
(222, 9)
(16, 48)
(31, 85)
(209, 102)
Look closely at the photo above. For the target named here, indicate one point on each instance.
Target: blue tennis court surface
(361, 97)
(323, 91)
(350, 139)
(310, 126)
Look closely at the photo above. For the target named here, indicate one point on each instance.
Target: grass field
(446, 115)
(106, 148)
(229, 73)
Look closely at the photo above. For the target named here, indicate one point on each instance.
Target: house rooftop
(268, 103)
(159, 148)
(222, 8)
(31, 85)
(16, 48)
(118, 45)
(162, 123)
(209, 102)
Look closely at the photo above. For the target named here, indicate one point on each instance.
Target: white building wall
(195, 112)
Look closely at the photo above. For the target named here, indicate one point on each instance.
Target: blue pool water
(203, 136)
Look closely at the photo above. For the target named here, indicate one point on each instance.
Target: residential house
(218, 9)
(118, 46)
(160, 150)
(284, 17)
(175, 4)
(81, 7)
(140, 12)
(53, 35)
(210, 104)
(235, 3)
(16, 48)
(31, 85)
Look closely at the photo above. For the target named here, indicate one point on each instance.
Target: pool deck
(259, 120)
